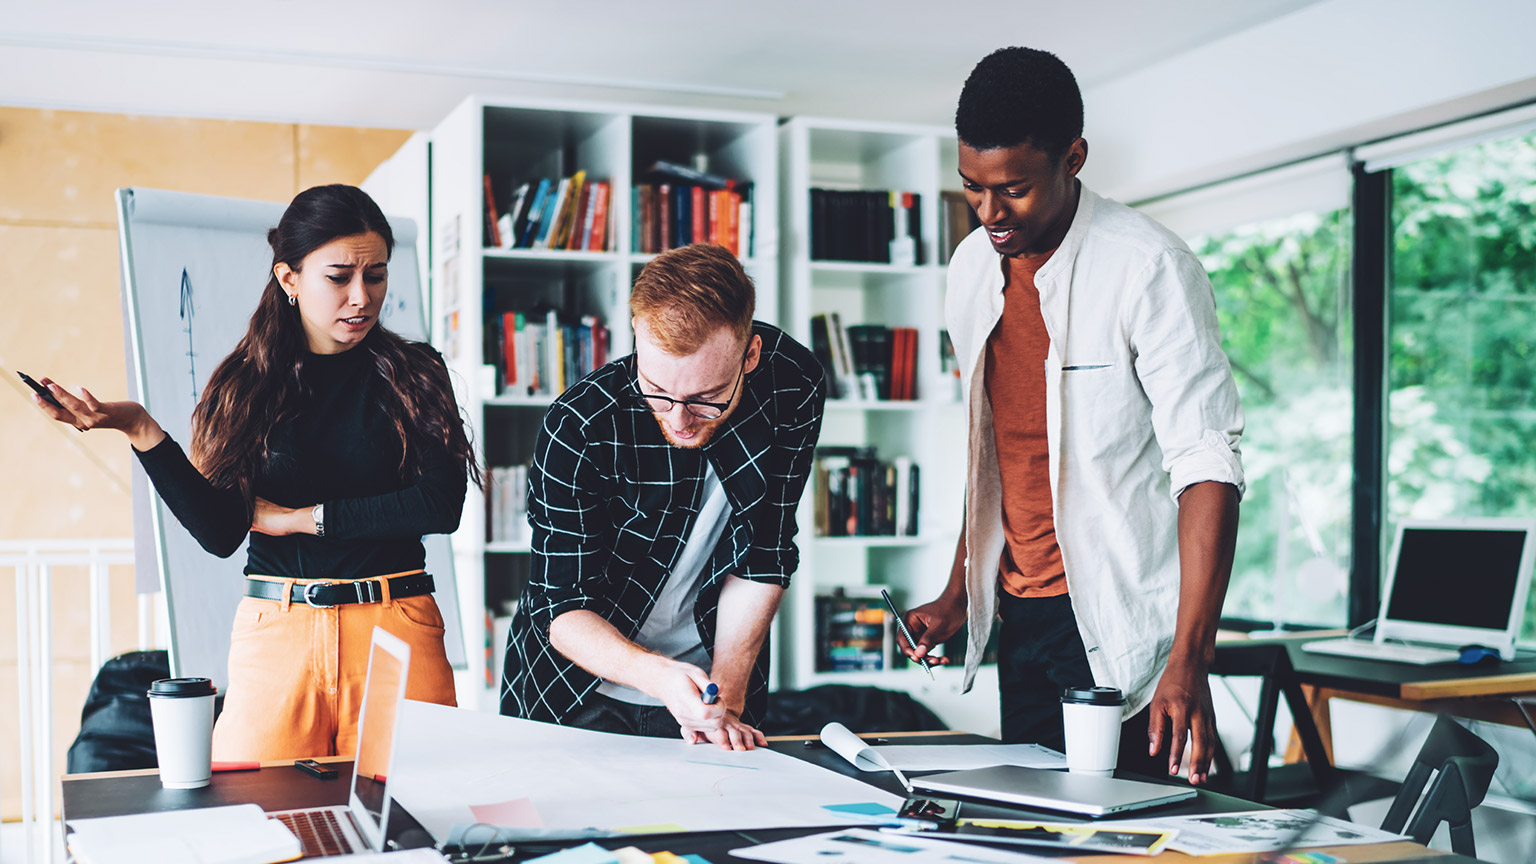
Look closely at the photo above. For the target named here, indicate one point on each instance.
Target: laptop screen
(1458, 577)
(388, 665)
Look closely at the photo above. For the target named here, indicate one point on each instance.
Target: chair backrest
(1465, 764)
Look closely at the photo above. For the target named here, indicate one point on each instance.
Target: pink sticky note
(517, 813)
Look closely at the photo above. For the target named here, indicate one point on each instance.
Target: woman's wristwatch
(318, 513)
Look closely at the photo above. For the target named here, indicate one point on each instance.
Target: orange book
(732, 239)
(898, 362)
(599, 218)
(664, 218)
(699, 210)
(493, 230)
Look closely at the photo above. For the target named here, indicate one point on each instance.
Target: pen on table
(710, 694)
(905, 633)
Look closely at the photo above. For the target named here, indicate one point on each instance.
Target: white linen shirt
(1139, 405)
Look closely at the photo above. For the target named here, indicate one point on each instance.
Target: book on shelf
(492, 218)
(540, 352)
(674, 212)
(535, 217)
(869, 362)
(956, 220)
(855, 631)
(856, 494)
(506, 502)
(882, 227)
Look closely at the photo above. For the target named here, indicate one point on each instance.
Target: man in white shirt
(1104, 473)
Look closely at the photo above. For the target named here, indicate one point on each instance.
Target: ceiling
(399, 64)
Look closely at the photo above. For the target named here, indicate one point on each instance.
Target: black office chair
(1465, 764)
(1269, 661)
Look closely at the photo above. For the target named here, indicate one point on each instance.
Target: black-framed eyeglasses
(702, 410)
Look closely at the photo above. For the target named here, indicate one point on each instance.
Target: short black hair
(1019, 95)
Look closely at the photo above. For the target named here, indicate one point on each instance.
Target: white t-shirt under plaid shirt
(612, 503)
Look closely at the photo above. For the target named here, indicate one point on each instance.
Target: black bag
(861, 709)
(115, 729)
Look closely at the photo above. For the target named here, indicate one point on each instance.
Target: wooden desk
(279, 786)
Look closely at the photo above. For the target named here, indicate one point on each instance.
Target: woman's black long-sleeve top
(341, 450)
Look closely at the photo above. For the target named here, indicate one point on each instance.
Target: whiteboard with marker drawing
(193, 267)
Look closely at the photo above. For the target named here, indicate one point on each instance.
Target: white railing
(33, 562)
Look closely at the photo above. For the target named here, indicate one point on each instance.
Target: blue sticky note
(695, 859)
(587, 853)
(866, 809)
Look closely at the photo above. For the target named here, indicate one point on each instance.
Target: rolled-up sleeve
(1196, 414)
(565, 503)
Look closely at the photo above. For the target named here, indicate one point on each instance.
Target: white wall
(1337, 73)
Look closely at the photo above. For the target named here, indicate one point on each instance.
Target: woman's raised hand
(84, 411)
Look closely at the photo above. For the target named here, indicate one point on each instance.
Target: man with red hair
(662, 497)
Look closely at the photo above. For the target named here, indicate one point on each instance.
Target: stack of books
(866, 361)
(682, 206)
(856, 494)
(884, 227)
(854, 631)
(570, 213)
(536, 353)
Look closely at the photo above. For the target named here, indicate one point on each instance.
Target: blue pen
(711, 693)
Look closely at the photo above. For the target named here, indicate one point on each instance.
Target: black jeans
(1040, 653)
(605, 714)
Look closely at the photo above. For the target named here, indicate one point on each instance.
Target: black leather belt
(325, 594)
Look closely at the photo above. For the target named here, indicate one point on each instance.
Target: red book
(491, 216)
(700, 213)
(509, 349)
(599, 241)
(663, 218)
(898, 362)
(647, 219)
(599, 345)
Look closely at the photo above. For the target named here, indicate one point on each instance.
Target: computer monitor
(1458, 582)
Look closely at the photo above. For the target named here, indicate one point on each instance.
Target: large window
(1281, 295)
(1461, 363)
(1276, 246)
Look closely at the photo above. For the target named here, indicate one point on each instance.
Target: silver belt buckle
(309, 598)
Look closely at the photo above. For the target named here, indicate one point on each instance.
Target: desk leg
(1317, 701)
(1523, 704)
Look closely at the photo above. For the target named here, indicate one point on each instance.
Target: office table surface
(1405, 680)
(279, 786)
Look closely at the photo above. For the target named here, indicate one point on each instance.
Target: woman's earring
(293, 299)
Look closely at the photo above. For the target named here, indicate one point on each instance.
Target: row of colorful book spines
(527, 361)
(568, 213)
(865, 499)
(667, 216)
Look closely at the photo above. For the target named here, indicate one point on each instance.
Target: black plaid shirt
(611, 503)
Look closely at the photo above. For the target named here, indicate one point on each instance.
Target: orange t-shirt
(1016, 350)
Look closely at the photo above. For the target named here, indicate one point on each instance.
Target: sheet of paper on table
(1260, 831)
(241, 834)
(874, 847)
(540, 780)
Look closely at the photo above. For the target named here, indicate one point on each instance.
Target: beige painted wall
(60, 315)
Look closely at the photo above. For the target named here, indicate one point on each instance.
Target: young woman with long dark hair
(335, 444)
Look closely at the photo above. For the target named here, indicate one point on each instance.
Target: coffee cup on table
(1091, 717)
(182, 712)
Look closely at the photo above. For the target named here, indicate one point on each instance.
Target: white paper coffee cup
(1091, 717)
(182, 711)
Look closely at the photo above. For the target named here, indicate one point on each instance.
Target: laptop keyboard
(318, 831)
(1391, 652)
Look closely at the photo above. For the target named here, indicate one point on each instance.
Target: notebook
(361, 826)
(1449, 583)
(1053, 790)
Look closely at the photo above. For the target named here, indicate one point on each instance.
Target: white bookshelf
(849, 155)
(528, 140)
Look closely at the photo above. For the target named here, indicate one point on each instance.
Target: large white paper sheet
(455, 766)
(1260, 831)
(873, 847)
(239, 834)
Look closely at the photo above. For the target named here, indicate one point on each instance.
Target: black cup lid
(1093, 695)
(182, 687)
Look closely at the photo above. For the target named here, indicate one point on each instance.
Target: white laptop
(1449, 583)
(361, 825)
(1053, 790)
